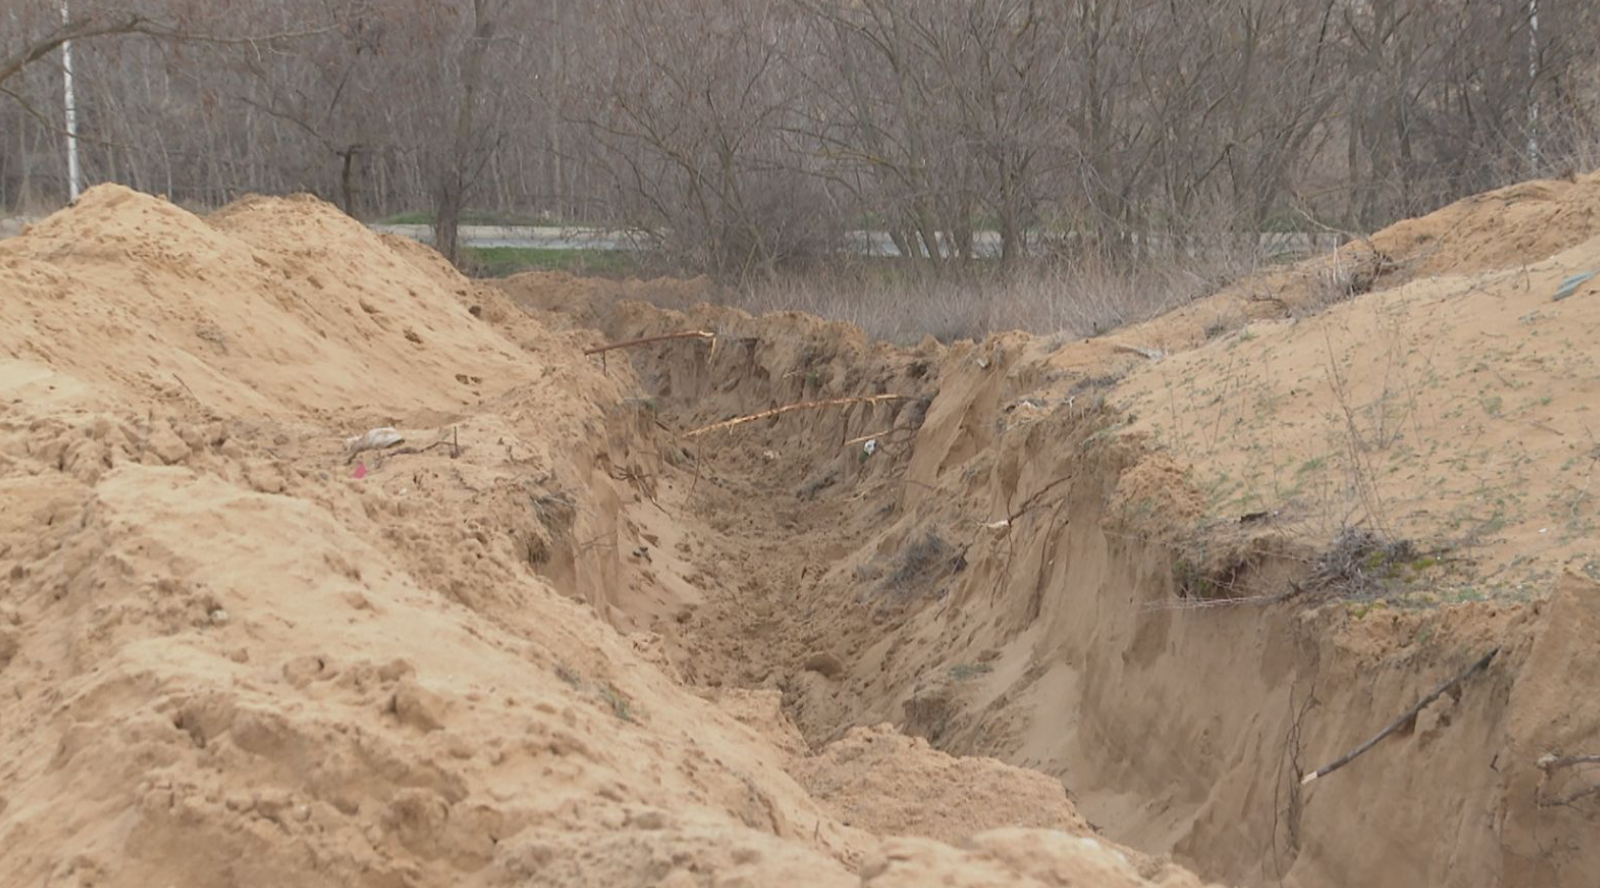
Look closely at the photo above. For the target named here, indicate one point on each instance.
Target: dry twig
(1551, 763)
(1153, 354)
(865, 438)
(1205, 603)
(685, 334)
(1481, 664)
(789, 408)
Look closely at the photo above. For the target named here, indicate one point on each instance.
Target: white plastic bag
(377, 439)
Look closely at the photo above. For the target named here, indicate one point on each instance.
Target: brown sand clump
(567, 299)
(1448, 411)
(882, 781)
(1517, 225)
(277, 306)
(232, 654)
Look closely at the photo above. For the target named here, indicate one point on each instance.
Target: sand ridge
(229, 657)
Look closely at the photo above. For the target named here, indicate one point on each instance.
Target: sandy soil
(230, 655)
(558, 638)
(1450, 408)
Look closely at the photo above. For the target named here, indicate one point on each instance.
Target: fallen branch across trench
(1207, 603)
(790, 408)
(706, 335)
(1551, 763)
(1481, 664)
(862, 439)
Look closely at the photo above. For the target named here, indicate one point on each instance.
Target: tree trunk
(25, 160)
(447, 205)
(347, 188)
(463, 164)
(1011, 246)
(1010, 222)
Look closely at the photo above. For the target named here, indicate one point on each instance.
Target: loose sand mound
(231, 656)
(1448, 409)
(1503, 231)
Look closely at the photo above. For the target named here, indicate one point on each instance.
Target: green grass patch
(507, 261)
(407, 219)
(969, 671)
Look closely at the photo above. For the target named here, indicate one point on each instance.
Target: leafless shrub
(744, 135)
(1361, 563)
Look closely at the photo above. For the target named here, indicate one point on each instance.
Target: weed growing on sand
(1202, 578)
(969, 671)
(605, 693)
(920, 562)
(568, 675)
(618, 703)
(1363, 478)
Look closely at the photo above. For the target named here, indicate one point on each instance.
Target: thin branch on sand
(647, 340)
(1481, 664)
(790, 408)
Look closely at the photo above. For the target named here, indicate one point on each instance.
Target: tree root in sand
(703, 335)
(1481, 664)
(1549, 764)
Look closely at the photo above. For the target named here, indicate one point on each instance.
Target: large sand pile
(229, 656)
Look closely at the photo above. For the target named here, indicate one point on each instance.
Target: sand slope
(225, 659)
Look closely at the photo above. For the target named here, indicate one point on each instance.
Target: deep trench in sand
(971, 582)
(229, 654)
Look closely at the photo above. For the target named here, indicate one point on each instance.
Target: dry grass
(1360, 563)
(1074, 299)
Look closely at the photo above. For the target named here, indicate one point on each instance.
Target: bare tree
(746, 134)
(691, 106)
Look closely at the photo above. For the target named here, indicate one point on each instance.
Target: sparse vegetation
(1075, 298)
(969, 671)
(506, 261)
(605, 693)
(1362, 564)
(926, 559)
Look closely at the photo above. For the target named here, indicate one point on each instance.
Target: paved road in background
(524, 237)
(860, 243)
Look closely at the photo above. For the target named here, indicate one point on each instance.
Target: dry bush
(1361, 563)
(924, 559)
